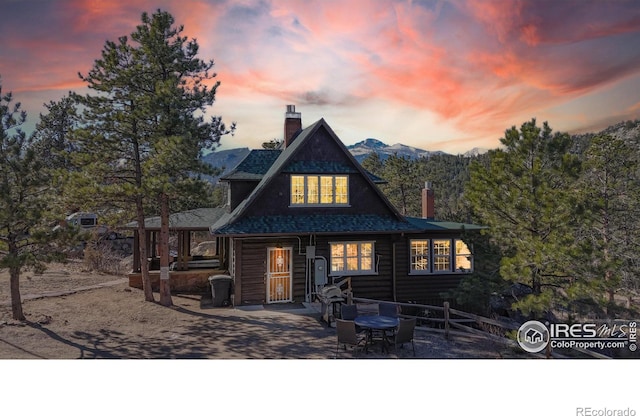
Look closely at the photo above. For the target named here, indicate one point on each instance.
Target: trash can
(220, 289)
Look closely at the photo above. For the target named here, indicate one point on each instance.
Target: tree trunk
(142, 244)
(16, 300)
(165, 283)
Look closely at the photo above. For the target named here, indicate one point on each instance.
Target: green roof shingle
(254, 165)
(315, 223)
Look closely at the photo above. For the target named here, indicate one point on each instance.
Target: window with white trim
(429, 256)
(319, 190)
(352, 257)
(463, 257)
(420, 255)
(441, 255)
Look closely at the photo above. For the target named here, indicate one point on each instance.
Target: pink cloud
(474, 64)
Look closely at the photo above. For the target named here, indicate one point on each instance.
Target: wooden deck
(189, 281)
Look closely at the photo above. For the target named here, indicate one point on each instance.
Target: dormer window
(315, 190)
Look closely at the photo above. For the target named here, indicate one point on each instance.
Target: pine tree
(609, 195)
(403, 187)
(524, 195)
(25, 235)
(143, 131)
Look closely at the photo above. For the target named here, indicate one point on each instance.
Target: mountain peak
(362, 149)
(370, 143)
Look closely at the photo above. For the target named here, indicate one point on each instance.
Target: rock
(205, 248)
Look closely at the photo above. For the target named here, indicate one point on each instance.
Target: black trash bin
(220, 289)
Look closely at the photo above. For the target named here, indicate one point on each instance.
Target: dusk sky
(438, 75)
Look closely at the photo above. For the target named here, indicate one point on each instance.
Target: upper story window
(319, 190)
(440, 256)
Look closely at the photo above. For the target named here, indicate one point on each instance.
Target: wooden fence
(447, 321)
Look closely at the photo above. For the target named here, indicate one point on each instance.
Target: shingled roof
(254, 165)
(194, 220)
(285, 162)
(320, 224)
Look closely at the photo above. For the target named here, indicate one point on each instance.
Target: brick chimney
(292, 124)
(428, 202)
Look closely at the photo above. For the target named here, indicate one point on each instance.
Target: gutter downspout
(393, 269)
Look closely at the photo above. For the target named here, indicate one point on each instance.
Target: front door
(279, 283)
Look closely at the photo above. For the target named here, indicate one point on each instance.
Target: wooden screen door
(279, 282)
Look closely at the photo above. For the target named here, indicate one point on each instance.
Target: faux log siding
(378, 286)
(420, 288)
(252, 272)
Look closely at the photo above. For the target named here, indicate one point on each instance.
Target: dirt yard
(68, 317)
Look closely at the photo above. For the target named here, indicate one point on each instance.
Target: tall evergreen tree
(51, 136)
(524, 195)
(143, 131)
(25, 232)
(403, 187)
(609, 233)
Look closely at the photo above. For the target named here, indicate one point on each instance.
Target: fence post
(446, 320)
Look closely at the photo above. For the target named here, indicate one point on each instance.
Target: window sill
(319, 205)
(354, 274)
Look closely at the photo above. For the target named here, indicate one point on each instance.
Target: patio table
(377, 323)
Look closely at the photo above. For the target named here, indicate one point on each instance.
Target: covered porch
(194, 253)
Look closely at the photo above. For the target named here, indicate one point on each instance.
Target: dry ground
(114, 321)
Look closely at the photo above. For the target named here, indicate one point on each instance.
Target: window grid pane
(337, 257)
(441, 255)
(420, 255)
(342, 190)
(319, 190)
(326, 189)
(352, 257)
(312, 190)
(463, 256)
(297, 190)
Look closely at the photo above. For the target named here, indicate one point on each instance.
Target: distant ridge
(225, 159)
(229, 159)
(362, 149)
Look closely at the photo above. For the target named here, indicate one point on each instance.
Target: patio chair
(404, 334)
(347, 335)
(388, 309)
(348, 312)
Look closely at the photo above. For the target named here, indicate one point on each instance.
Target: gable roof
(254, 165)
(283, 161)
(195, 220)
(258, 161)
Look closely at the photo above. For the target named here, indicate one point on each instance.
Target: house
(308, 214)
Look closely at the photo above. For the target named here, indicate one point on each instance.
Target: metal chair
(347, 335)
(388, 309)
(404, 334)
(348, 312)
